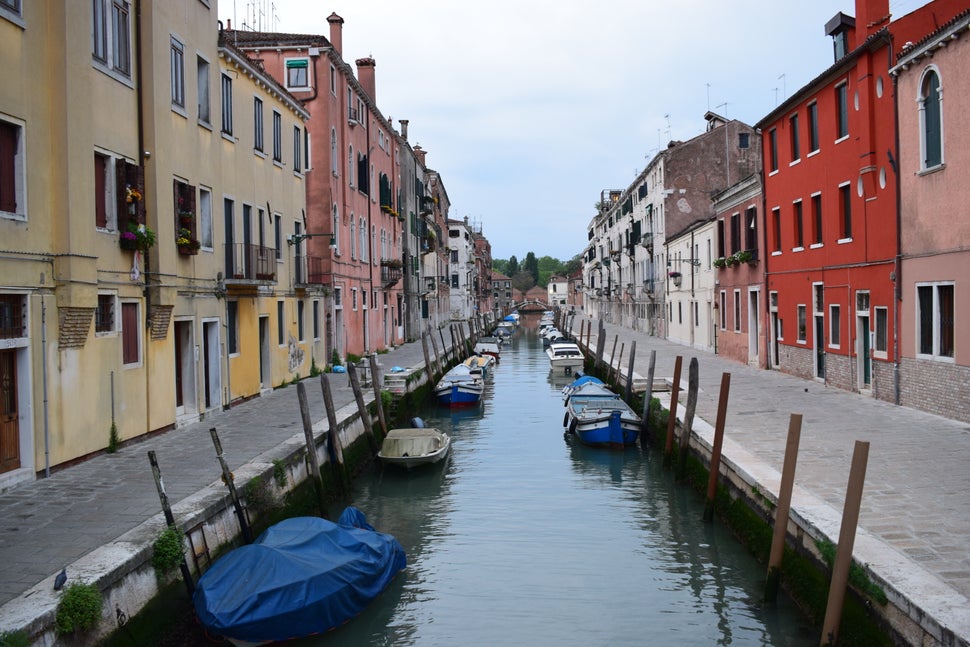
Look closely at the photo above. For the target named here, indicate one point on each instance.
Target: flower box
(188, 250)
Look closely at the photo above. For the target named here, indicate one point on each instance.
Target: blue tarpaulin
(302, 576)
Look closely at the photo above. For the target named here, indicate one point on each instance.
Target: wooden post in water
(693, 383)
(334, 445)
(436, 369)
(783, 508)
(444, 351)
(672, 418)
(362, 409)
(843, 553)
(647, 397)
(227, 478)
(600, 345)
(609, 367)
(619, 362)
(629, 371)
(378, 381)
(454, 347)
(427, 357)
(311, 450)
(716, 449)
(170, 518)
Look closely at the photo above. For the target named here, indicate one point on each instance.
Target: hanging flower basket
(186, 243)
(138, 237)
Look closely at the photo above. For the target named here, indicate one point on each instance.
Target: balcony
(248, 264)
(390, 274)
(308, 270)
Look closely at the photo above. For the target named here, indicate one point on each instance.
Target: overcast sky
(530, 108)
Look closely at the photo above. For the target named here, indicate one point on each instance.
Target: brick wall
(935, 387)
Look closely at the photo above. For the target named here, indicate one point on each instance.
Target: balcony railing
(390, 275)
(308, 270)
(247, 262)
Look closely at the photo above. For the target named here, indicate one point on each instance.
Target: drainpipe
(43, 345)
(143, 156)
(897, 275)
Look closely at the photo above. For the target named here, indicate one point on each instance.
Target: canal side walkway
(915, 517)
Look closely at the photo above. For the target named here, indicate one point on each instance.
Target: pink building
(932, 295)
(348, 244)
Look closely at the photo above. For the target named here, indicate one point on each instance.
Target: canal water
(523, 538)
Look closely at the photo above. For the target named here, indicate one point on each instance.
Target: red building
(831, 204)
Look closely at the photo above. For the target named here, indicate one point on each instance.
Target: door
(754, 329)
(819, 346)
(9, 414)
(264, 372)
(211, 364)
(186, 402)
(862, 350)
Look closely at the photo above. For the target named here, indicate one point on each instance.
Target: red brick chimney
(336, 33)
(420, 154)
(365, 74)
(871, 16)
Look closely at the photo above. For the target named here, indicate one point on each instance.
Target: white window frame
(935, 355)
(801, 323)
(876, 312)
(111, 38)
(19, 170)
(920, 98)
(225, 89)
(297, 60)
(204, 102)
(13, 10)
(277, 137)
(737, 311)
(206, 237)
(176, 59)
(115, 315)
(835, 325)
(259, 130)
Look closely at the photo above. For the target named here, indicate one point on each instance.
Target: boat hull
(599, 417)
(414, 447)
(458, 395)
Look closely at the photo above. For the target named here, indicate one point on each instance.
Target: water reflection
(525, 538)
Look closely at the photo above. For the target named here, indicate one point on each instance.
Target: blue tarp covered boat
(459, 387)
(599, 417)
(302, 576)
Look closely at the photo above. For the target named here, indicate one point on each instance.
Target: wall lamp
(294, 239)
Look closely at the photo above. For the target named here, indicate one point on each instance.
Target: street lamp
(295, 239)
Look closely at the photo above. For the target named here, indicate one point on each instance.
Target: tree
(531, 265)
(523, 281)
(513, 267)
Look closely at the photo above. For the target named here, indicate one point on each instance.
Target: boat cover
(302, 576)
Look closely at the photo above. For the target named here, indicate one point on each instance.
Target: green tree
(501, 265)
(523, 281)
(531, 265)
(513, 267)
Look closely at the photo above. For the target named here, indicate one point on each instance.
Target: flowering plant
(137, 237)
(132, 194)
(186, 241)
(673, 275)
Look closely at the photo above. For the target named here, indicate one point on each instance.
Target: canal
(523, 538)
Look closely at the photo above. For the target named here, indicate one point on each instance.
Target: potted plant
(720, 262)
(675, 277)
(138, 237)
(392, 262)
(744, 256)
(186, 243)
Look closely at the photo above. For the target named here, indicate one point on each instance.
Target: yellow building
(117, 126)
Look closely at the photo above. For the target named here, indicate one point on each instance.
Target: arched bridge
(531, 305)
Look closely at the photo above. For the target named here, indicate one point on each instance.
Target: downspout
(143, 156)
(765, 297)
(367, 234)
(898, 273)
(43, 345)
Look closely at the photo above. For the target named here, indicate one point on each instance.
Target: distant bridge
(531, 305)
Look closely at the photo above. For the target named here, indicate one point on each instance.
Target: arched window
(350, 165)
(336, 229)
(373, 242)
(931, 120)
(363, 239)
(334, 160)
(353, 237)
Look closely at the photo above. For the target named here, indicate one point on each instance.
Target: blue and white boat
(599, 417)
(459, 387)
(578, 382)
(303, 576)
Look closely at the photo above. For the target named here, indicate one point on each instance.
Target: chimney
(336, 33)
(871, 16)
(365, 74)
(404, 129)
(420, 154)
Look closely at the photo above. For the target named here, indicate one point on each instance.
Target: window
(277, 137)
(335, 229)
(103, 190)
(723, 310)
(280, 323)
(362, 239)
(111, 36)
(454, 280)
(297, 149)
(130, 334)
(353, 298)
(177, 64)
(227, 104)
(202, 81)
(735, 233)
(737, 311)
(333, 80)
(931, 120)
(813, 127)
(353, 237)
(796, 153)
(841, 111)
(185, 221)
(744, 140)
(799, 225)
(297, 74)
(935, 320)
(278, 235)
(232, 327)
(300, 307)
(12, 170)
(751, 229)
(13, 316)
(350, 166)
(835, 326)
(205, 218)
(12, 10)
(881, 343)
(316, 319)
(817, 219)
(773, 149)
(802, 323)
(720, 238)
(258, 124)
(334, 162)
(776, 228)
(104, 315)
(845, 212)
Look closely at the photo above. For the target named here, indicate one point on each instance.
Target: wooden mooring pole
(628, 392)
(693, 384)
(170, 519)
(672, 418)
(647, 397)
(783, 508)
(843, 553)
(334, 446)
(230, 482)
(377, 379)
(362, 408)
(715, 466)
(311, 449)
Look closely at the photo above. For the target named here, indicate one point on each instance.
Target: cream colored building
(106, 119)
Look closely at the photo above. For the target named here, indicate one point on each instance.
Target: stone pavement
(915, 516)
(915, 519)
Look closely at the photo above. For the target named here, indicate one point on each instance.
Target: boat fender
(565, 419)
(417, 423)
(572, 426)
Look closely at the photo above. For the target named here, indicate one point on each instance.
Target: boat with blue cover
(599, 417)
(302, 576)
(459, 387)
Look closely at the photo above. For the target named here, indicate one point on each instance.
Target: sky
(530, 108)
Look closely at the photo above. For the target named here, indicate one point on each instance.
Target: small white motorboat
(414, 446)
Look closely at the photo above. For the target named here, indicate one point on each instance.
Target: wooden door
(9, 416)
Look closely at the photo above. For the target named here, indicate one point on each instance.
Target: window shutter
(100, 201)
(9, 134)
(121, 182)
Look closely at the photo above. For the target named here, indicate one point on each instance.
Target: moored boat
(599, 417)
(564, 356)
(459, 387)
(480, 364)
(414, 446)
(302, 576)
(489, 346)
